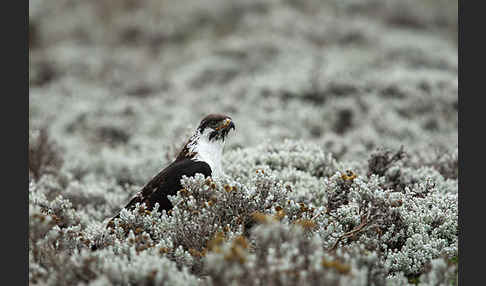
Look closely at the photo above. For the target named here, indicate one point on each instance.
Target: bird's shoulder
(175, 171)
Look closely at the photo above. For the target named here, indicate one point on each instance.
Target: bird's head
(216, 127)
(207, 142)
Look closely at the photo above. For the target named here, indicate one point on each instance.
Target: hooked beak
(228, 124)
(231, 125)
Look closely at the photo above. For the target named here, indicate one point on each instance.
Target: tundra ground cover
(343, 169)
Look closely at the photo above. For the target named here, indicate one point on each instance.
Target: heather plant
(282, 255)
(224, 231)
(44, 154)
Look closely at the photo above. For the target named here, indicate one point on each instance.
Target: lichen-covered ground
(343, 169)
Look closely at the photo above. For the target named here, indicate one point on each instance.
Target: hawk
(201, 154)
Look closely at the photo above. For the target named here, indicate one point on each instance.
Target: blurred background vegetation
(126, 79)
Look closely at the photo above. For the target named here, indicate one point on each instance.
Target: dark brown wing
(165, 183)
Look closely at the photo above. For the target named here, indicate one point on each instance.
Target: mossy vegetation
(343, 169)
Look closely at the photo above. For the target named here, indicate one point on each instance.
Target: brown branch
(356, 230)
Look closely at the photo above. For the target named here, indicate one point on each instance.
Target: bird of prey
(201, 154)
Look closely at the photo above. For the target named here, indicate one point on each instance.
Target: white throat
(210, 152)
